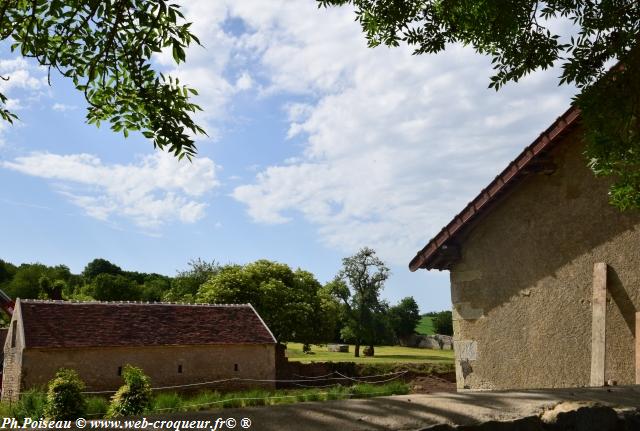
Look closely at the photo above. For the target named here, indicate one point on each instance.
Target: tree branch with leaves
(106, 47)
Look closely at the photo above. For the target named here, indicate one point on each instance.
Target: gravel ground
(411, 412)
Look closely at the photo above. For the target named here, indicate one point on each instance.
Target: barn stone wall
(12, 363)
(522, 290)
(165, 365)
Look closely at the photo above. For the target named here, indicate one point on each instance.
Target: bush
(167, 402)
(30, 405)
(64, 397)
(96, 407)
(134, 397)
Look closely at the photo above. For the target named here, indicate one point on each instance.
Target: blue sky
(318, 146)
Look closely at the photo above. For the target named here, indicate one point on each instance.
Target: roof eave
(521, 166)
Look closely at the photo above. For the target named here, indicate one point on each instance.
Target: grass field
(383, 355)
(425, 327)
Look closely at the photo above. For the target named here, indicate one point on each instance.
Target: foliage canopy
(292, 303)
(105, 47)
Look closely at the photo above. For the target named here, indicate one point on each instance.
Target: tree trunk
(357, 350)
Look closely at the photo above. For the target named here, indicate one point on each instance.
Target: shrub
(64, 397)
(30, 405)
(167, 402)
(96, 407)
(134, 397)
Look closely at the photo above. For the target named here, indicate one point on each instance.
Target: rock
(429, 342)
(438, 342)
(580, 416)
(338, 348)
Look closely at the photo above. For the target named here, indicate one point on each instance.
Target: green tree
(154, 288)
(49, 289)
(292, 303)
(443, 323)
(100, 266)
(522, 36)
(7, 271)
(25, 283)
(358, 287)
(105, 48)
(404, 317)
(107, 287)
(185, 285)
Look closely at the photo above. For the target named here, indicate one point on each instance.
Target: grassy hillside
(383, 354)
(425, 327)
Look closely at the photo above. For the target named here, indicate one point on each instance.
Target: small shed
(175, 344)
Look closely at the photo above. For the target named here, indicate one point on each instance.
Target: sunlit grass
(383, 354)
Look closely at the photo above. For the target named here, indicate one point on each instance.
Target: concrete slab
(413, 412)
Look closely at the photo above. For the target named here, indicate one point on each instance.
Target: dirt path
(412, 412)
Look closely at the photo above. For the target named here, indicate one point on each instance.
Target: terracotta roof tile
(54, 324)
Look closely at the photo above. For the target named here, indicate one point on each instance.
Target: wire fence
(334, 376)
(300, 381)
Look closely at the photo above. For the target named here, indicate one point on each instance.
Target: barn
(544, 273)
(175, 344)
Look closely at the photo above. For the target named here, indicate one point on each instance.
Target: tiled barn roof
(438, 251)
(54, 324)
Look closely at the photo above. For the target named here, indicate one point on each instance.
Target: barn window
(235, 367)
(180, 369)
(119, 371)
(14, 333)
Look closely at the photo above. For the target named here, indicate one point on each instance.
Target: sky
(317, 147)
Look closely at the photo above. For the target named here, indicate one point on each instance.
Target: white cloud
(156, 190)
(61, 107)
(395, 144)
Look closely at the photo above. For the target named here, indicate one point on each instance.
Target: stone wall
(522, 290)
(12, 363)
(436, 342)
(99, 368)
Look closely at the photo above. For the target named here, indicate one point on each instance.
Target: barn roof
(442, 249)
(54, 324)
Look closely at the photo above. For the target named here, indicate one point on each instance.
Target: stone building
(545, 273)
(174, 344)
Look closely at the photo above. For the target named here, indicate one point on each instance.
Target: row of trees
(293, 303)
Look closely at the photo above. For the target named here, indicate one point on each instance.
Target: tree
(404, 317)
(521, 37)
(185, 285)
(443, 323)
(107, 287)
(358, 287)
(105, 47)
(7, 271)
(100, 266)
(25, 283)
(292, 303)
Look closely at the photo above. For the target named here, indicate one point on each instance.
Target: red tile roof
(53, 324)
(430, 257)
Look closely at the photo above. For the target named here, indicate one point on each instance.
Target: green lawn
(425, 327)
(383, 354)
